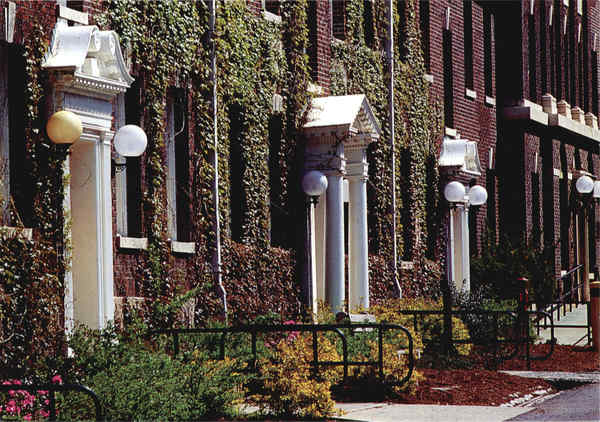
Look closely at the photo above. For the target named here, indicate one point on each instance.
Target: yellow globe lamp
(64, 127)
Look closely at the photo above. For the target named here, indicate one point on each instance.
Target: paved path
(568, 336)
(578, 404)
(383, 412)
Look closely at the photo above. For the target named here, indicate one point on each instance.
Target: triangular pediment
(346, 116)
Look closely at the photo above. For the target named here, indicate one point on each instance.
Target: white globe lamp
(314, 183)
(477, 195)
(454, 192)
(130, 141)
(584, 184)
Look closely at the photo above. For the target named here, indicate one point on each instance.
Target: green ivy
(171, 44)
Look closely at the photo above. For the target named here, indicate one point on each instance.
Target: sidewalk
(384, 412)
(568, 336)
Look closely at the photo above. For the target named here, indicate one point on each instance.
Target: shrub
(497, 270)
(287, 389)
(135, 382)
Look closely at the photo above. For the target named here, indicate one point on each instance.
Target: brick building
(520, 78)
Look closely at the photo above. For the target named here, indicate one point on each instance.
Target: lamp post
(314, 184)
(587, 188)
(460, 200)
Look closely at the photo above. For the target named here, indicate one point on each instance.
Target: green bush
(497, 270)
(136, 382)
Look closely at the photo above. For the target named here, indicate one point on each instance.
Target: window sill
(271, 17)
(186, 248)
(450, 132)
(407, 265)
(490, 101)
(23, 233)
(132, 243)
(428, 77)
(470, 93)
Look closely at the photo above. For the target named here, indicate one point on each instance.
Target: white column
(105, 227)
(313, 264)
(359, 249)
(334, 268)
(466, 265)
(459, 244)
(319, 257)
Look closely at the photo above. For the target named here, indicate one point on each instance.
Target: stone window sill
(490, 101)
(428, 77)
(271, 17)
(470, 93)
(132, 243)
(450, 132)
(21, 232)
(185, 248)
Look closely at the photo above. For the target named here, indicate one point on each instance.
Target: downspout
(217, 264)
(390, 57)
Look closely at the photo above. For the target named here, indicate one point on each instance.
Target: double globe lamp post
(460, 200)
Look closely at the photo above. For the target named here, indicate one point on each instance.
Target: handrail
(253, 330)
(52, 389)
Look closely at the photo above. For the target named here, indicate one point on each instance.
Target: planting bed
(481, 386)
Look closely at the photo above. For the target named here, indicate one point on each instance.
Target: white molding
(557, 173)
(139, 243)
(72, 15)
(451, 132)
(428, 77)
(188, 248)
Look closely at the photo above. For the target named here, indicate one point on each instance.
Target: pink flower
(27, 417)
(56, 379)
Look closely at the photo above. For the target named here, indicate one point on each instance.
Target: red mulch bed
(563, 358)
(471, 387)
(481, 386)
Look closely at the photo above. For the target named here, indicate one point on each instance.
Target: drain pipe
(217, 264)
(390, 58)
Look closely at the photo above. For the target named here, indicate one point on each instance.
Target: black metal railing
(52, 389)
(518, 335)
(571, 295)
(255, 330)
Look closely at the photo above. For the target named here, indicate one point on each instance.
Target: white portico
(87, 71)
(338, 132)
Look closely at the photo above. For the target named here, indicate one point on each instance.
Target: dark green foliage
(499, 267)
(137, 382)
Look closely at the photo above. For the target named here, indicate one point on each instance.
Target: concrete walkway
(568, 336)
(383, 412)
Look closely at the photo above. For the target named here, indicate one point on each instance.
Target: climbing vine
(256, 59)
(32, 271)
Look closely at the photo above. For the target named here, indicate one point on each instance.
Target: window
(128, 181)
(543, 57)
(15, 197)
(338, 19)
(558, 53)
(369, 23)
(424, 27)
(448, 80)
(488, 53)
(468, 42)
(532, 58)
(272, 6)
(595, 82)
(178, 167)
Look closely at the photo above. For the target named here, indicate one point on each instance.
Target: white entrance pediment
(346, 117)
